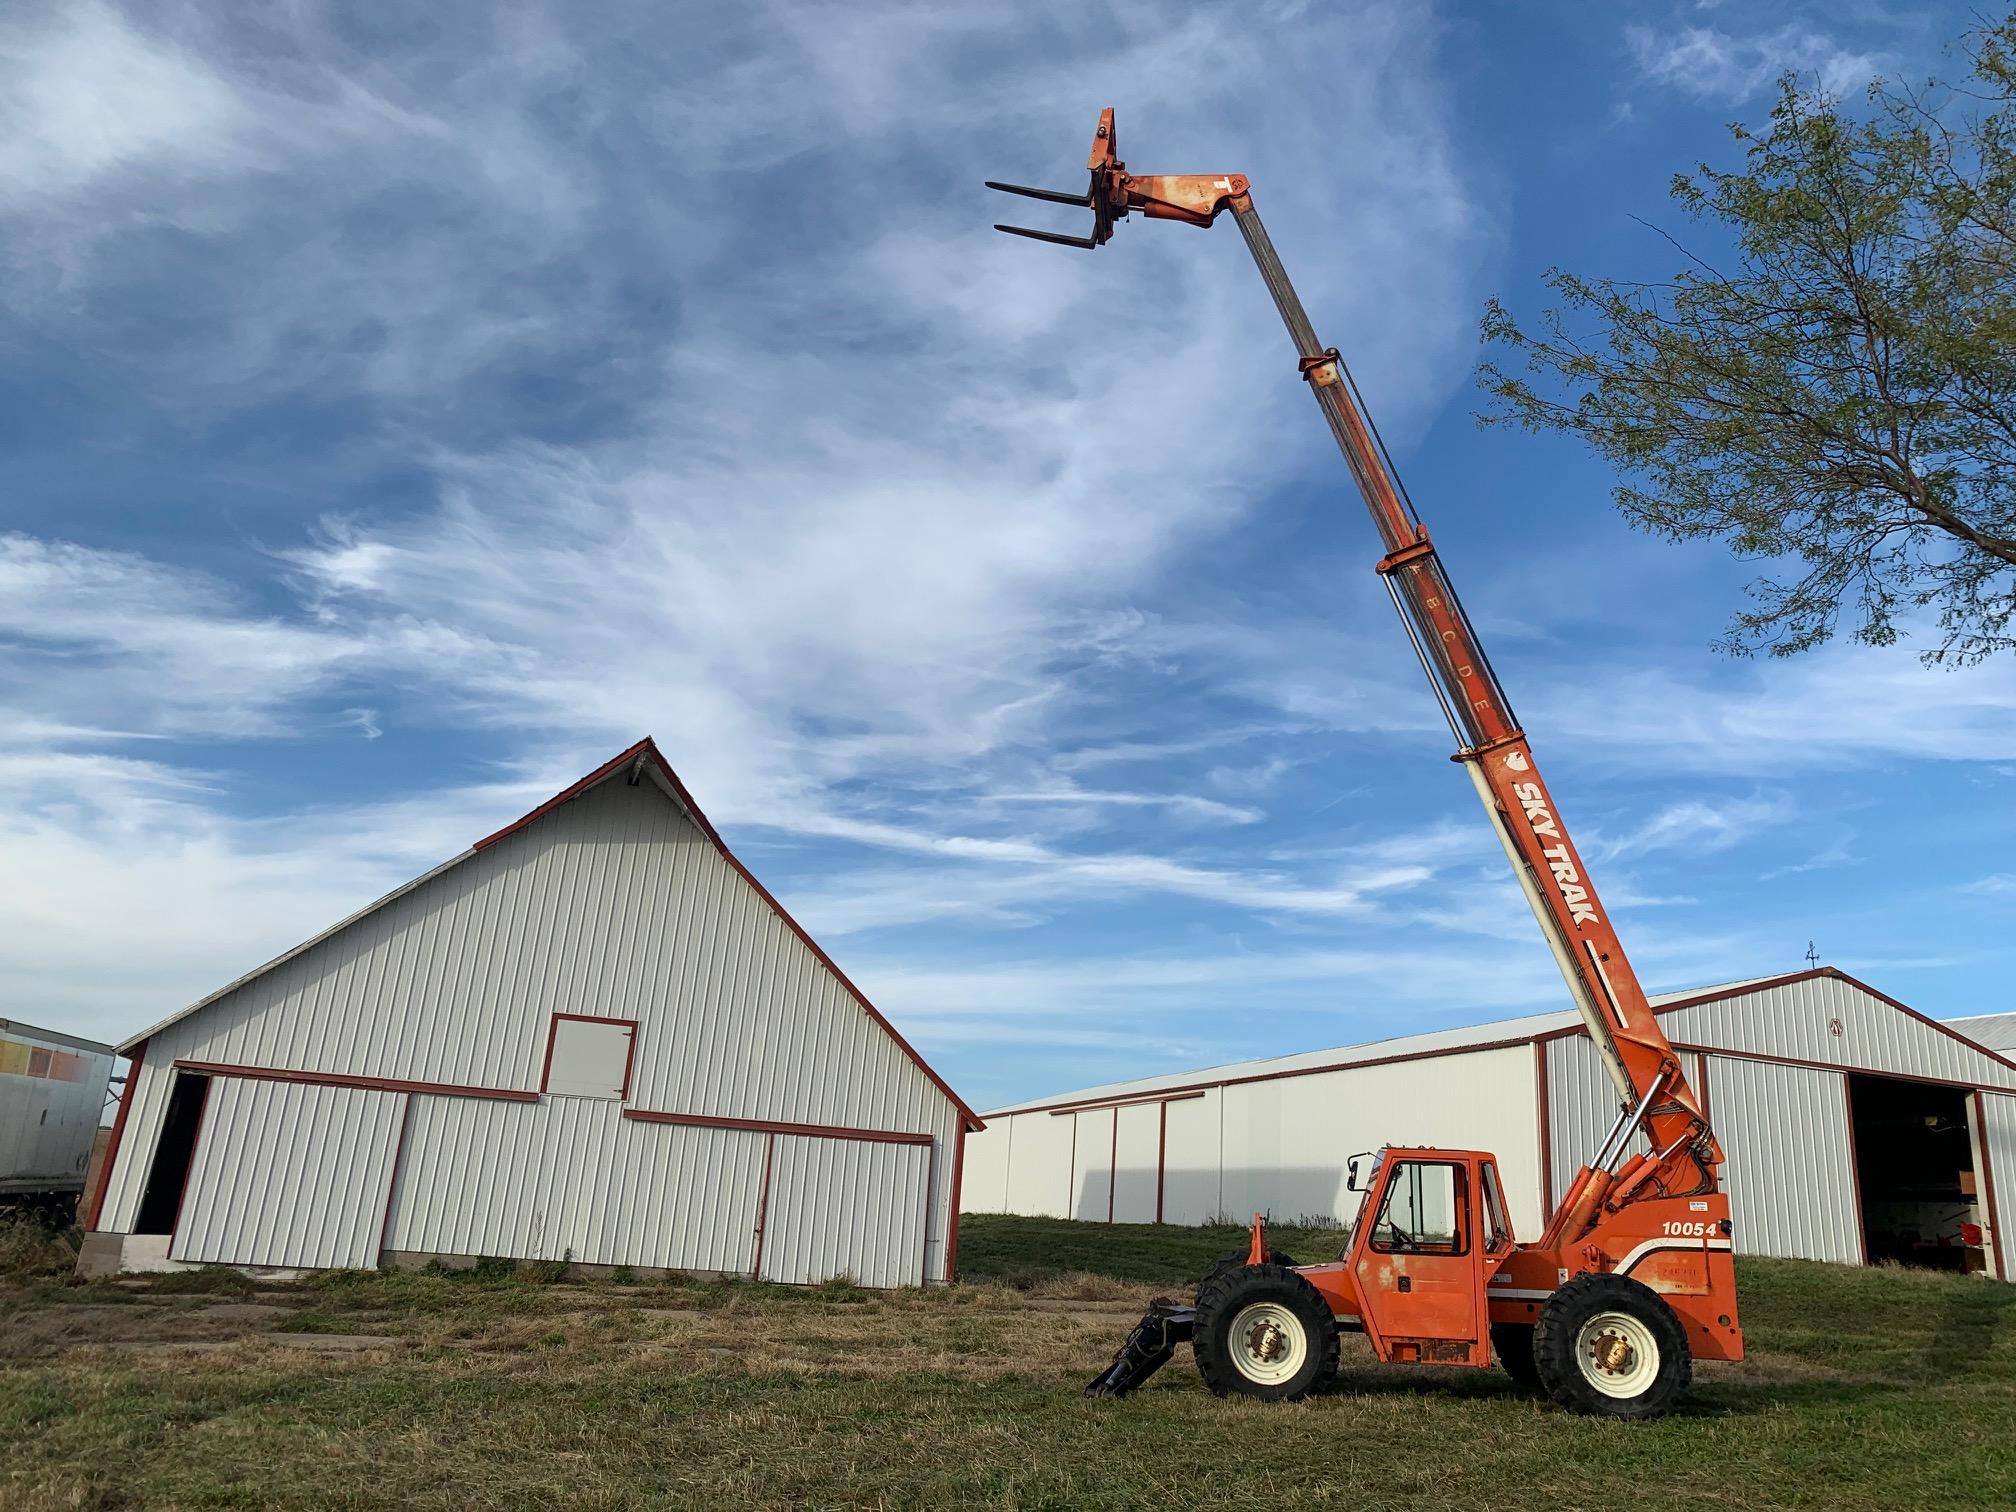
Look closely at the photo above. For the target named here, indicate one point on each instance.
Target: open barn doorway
(1914, 1173)
(161, 1199)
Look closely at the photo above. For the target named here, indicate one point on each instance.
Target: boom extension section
(1675, 1179)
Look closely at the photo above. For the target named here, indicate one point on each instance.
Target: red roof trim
(647, 749)
(1791, 979)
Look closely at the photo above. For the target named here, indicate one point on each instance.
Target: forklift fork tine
(1054, 196)
(1049, 236)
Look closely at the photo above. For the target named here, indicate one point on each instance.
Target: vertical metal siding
(1092, 1165)
(1797, 1020)
(1040, 1178)
(134, 1158)
(1790, 1180)
(984, 1188)
(1287, 1143)
(1581, 1108)
(613, 905)
(1193, 1162)
(1134, 1170)
(570, 1177)
(846, 1207)
(286, 1174)
(1280, 1147)
(1999, 1135)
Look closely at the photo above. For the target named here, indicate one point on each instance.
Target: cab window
(1497, 1222)
(1423, 1211)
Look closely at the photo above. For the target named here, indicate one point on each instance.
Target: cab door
(1419, 1264)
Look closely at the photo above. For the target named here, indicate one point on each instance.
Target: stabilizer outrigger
(1147, 1349)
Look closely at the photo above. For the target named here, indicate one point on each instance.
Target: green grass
(1865, 1389)
(997, 1248)
(31, 1249)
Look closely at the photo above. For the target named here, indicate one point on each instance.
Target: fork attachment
(1165, 1325)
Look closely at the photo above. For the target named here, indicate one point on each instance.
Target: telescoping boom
(1632, 1277)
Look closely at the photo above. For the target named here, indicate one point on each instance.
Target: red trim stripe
(1131, 1102)
(930, 1190)
(1813, 1065)
(118, 1137)
(1161, 1157)
(952, 1215)
(369, 1083)
(1113, 1167)
(648, 749)
(762, 1204)
(774, 1126)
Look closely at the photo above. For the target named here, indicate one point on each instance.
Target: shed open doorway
(169, 1173)
(1914, 1173)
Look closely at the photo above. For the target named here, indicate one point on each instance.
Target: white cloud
(94, 96)
(1838, 706)
(1694, 825)
(1713, 64)
(865, 511)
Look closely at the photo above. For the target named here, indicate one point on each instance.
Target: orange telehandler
(1632, 1278)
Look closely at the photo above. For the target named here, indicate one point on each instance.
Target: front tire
(1232, 1260)
(1607, 1346)
(1263, 1331)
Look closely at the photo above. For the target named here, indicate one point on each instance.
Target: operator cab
(1432, 1230)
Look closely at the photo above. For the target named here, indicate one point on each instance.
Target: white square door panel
(590, 1057)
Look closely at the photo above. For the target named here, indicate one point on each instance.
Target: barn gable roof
(1997, 1031)
(640, 762)
(1496, 1035)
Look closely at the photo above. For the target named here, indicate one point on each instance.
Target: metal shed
(52, 1090)
(1857, 1129)
(592, 1036)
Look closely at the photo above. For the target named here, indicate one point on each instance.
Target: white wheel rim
(1617, 1355)
(1268, 1343)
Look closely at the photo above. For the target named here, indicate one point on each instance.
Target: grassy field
(1866, 1389)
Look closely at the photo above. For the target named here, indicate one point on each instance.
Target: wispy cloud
(1698, 826)
(670, 384)
(1712, 64)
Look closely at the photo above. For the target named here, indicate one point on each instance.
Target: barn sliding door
(845, 1207)
(289, 1174)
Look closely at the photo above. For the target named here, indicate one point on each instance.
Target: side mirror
(1351, 1171)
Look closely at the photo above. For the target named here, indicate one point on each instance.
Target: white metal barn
(1995, 1030)
(592, 1036)
(52, 1089)
(1856, 1129)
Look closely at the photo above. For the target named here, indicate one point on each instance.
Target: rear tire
(1607, 1346)
(1263, 1331)
(1512, 1347)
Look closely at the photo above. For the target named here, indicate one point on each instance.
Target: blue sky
(402, 415)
